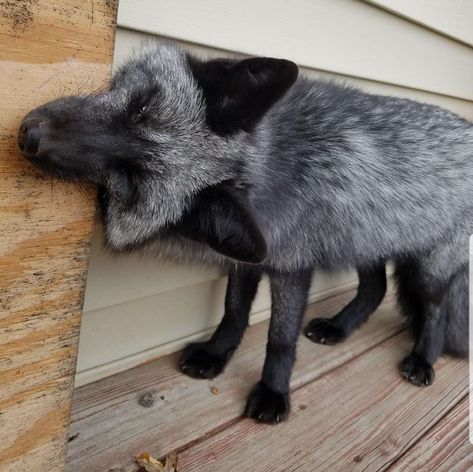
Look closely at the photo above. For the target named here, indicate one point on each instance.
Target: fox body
(245, 162)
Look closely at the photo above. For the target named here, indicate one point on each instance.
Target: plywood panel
(344, 36)
(47, 48)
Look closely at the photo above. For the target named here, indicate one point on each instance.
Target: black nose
(29, 136)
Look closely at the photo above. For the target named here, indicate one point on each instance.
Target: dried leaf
(171, 463)
(151, 464)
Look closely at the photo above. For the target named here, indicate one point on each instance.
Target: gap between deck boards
(363, 415)
(110, 427)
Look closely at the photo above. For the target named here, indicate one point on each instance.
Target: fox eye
(140, 104)
(138, 107)
(141, 110)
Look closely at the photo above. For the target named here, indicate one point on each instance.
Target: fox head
(164, 144)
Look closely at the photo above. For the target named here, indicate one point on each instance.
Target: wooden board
(110, 427)
(359, 417)
(351, 410)
(445, 448)
(47, 48)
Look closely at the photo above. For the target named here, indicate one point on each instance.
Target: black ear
(121, 187)
(238, 93)
(218, 218)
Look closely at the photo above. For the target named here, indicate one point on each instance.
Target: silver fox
(244, 162)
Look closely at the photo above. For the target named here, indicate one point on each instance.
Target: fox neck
(160, 203)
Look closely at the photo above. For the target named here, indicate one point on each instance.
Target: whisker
(51, 197)
(64, 181)
(60, 87)
(97, 90)
(85, 196)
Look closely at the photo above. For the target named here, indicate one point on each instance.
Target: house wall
(137, 309)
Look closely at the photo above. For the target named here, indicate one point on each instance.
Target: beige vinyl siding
(137, 308)
(347, 37)
(451, 18)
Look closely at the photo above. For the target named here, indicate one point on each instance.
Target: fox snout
(38, 147)
(35, 143)
(29, 137)
(63, 138)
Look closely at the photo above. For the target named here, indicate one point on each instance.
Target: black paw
(417, 370)
(201, 361)
(267, 406)
(323, 331)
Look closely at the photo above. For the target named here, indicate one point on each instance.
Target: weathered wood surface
(351, 410)
(47, 48)
(446, 447)
(110, 427)
(359, 417)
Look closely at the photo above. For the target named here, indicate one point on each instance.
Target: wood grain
(359, 417)
(110, 427)
(446, 448)
(47, 48)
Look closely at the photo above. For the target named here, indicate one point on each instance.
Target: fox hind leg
(371, 291)
(433, 292)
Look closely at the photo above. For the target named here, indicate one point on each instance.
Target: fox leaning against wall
(245, 162)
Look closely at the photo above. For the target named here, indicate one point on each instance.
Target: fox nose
(29, 136)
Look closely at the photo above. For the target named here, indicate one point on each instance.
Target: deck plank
(446, 448)
(359, 417)
(111, 426)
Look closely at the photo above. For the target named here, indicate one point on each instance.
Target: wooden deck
(351, 410)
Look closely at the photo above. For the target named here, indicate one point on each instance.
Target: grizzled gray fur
(244, 162)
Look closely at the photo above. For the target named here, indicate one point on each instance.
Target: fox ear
(121, 187)
(219, 219)
(239, 92)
